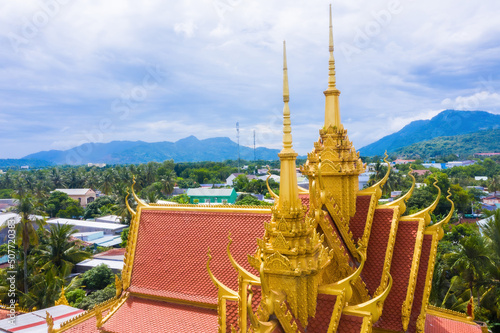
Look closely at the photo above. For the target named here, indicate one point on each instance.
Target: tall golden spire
(288, 196)
(332, 110)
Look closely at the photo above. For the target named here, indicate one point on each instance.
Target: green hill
(446, 123)
(463, 145)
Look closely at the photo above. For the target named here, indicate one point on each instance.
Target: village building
(211, 195)
(83, 195)
(326, 259)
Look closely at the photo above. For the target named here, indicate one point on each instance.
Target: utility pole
(238, 137)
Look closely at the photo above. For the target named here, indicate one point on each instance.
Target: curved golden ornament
(377, 187)
(373, 306)
(241, 271)
(269, 187)
(425, 213)
(132, 212)
(223, 290)
(438, 227)
(140, 203)
(50, 322)
(345, 284)
(401, 201)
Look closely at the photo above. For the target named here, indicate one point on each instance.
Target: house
(401, 161)
(90, 226)
(233, 176)
(421, 172)
(492, 199)
(480, 178)
(35, 322)
(440, 166)
(83, 195)
(212, 195)
(109, 219)
(112, 258)
(98, 165)
(453, 164)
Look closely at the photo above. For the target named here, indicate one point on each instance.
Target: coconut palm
(26, 229)
(472, 260)
(60, 254)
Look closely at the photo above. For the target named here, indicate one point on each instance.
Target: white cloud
(222, 64)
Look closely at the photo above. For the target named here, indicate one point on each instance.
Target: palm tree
(60, 254)
(472, 259)
(492, 231)
(26, 229)
(168, 182)
(107, 181)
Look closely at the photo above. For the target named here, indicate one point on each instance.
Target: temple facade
(327, 259)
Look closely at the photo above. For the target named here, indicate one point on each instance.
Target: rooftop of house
(75, 191)
(209, 192)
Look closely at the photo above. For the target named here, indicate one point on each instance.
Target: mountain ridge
(189, 149)
(446, 123)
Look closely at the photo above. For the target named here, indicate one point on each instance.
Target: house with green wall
(212, 195)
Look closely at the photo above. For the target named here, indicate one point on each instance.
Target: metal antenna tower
(238, 137)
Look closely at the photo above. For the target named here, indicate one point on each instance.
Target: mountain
(189, 149)
(464, 145)
(446, 123)
(17, 163)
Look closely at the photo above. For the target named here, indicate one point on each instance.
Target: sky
(73, 72)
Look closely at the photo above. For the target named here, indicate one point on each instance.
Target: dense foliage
(464, 145)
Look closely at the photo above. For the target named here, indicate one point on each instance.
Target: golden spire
(287, 129)
(288, 178)
(332, 111)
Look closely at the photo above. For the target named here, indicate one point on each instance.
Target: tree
(98, 277)
(472, 260)
(59, 201)
(26, 229)
(60, 253)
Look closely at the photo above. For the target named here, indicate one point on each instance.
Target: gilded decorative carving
(412, 283)
(62, 299)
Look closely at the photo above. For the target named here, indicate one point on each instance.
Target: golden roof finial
(287, 129)
(288, 177)
(332, 111)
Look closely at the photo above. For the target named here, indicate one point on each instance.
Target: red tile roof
(144, 315)
(112, 252)
(350, 324)
(88, 326)
(377, 246)
(358, 221)
(420, 287)
(304, 198)
(171, 252)
(232, 316)
(324, 308)
(435, 324)
(400, 272)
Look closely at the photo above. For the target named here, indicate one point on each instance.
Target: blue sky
(90, 71)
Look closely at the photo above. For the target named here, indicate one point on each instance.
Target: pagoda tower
(334, 165)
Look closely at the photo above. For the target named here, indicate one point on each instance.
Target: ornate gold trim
(364, 240)
(115, 306)
(425, 213)
(373, 307)
(438, 227)
(450, 314)
(340, 302)
(130, 251)
(84, 316)
(389, 252)
(62, 298)
(401, 202)
(412, 283)
(342, 226)
(376, 189)
(367, 325)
